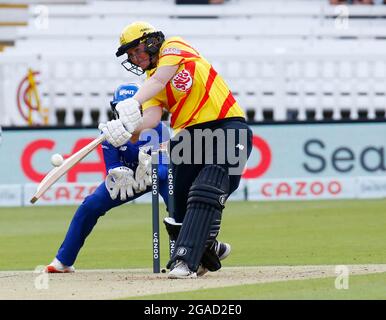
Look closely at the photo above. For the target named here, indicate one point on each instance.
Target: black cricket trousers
(198, 155)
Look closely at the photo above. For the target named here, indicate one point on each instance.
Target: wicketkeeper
(128, 169)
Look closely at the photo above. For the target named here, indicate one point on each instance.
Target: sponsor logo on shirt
(171, 51)
(126, 92)
(182, 81)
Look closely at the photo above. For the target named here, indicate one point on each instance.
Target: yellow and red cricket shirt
(196, 94)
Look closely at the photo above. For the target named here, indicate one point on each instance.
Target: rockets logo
(182, 81)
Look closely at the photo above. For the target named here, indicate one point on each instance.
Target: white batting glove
(143, 171)
(129, 113)
(120, 180)
(115, 132)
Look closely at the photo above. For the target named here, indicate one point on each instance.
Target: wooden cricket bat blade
(56, 173)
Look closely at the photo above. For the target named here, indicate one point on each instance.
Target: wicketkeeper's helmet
(134, 34)
(123, 92)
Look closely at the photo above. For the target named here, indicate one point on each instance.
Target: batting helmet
(123, 92)
(134, 34)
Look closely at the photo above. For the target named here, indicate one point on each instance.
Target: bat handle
(101, 138)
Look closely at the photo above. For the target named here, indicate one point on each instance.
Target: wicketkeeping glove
(143, 171)
(120, 180)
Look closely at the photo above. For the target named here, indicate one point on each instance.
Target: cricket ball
(56, 160)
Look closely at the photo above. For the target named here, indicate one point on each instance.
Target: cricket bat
(56, 173)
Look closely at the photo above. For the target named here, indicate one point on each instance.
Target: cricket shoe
(222, 249)
(57, 267)
(181, 271)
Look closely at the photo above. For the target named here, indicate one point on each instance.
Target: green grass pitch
(261, 233)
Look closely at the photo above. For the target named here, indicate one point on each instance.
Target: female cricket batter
(184, 83)
(121, 163)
